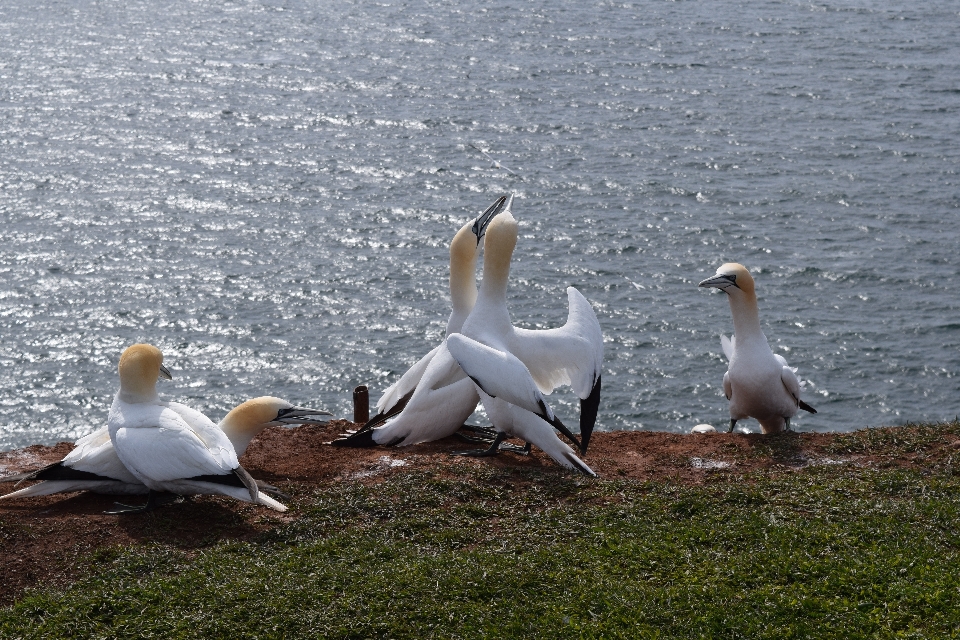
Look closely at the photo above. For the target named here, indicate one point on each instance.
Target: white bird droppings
(700, 463)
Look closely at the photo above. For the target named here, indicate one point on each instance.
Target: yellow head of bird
(141, 365)
(732, 276)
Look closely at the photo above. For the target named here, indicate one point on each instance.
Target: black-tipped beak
(480, 224)
(302, 415)
(720, 281)
(165, 373)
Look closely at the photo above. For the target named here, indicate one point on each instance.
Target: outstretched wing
(571, 354)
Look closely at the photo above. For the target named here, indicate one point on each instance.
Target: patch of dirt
(43, 539)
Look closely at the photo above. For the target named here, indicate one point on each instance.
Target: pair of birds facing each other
(161, 448)
(151, 446)
(485, 358)
(758, 383)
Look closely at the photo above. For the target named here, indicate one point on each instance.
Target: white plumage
(434, 397)
(93, 464)
(758, 383)
(515, 368)
(169, 447)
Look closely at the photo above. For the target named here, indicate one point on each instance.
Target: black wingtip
(562, 428)
(383, 416)
(580, 465)
(588, 415)
(359, 440)
(556, 424)
(55, 471)
(803, 405)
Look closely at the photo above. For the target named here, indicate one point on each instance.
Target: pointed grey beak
(165, 373)
(720, 281)
(480, 224)
(302, 415)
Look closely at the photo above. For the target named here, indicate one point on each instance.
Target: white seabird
(93, 465)
(434, 397)
(758, 383)
(514, 368)
(169, 447)
(703, 428)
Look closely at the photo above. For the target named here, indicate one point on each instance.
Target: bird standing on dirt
(514, 368)
(758, 383)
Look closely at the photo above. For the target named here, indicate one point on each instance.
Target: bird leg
(478, 439)
(483, 453)
(484, 435)
(154, 499)
(733, 423)
(487, 432)
(787, 428)
(512, 448)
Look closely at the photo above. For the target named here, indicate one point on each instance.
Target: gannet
(758, 383)
(514, 368)
(703, 428)
(434, 397)
(93, 465)
(170, 447)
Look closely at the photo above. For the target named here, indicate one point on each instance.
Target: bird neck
(496, 267)
(240, 433)
(138, 393)
(746, 316)
(463, 268)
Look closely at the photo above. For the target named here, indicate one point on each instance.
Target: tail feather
(803, 405)
(199, 485)
(578, 464)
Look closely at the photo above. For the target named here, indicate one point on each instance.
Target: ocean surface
(266, 190)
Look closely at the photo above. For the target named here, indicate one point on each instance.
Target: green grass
(825, 552)
(897, 442)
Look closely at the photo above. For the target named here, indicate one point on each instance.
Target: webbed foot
(154, 499)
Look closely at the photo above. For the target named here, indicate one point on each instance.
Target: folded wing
(406, 384)
(728, 344)
(94, 453)
(499, 374)
(173, 450)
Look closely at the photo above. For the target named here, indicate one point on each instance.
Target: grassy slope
(827, 551)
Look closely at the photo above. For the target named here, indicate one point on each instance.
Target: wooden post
(361, 404)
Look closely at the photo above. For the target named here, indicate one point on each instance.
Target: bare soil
(46, 540)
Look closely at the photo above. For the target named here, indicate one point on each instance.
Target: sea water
(266, 190)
